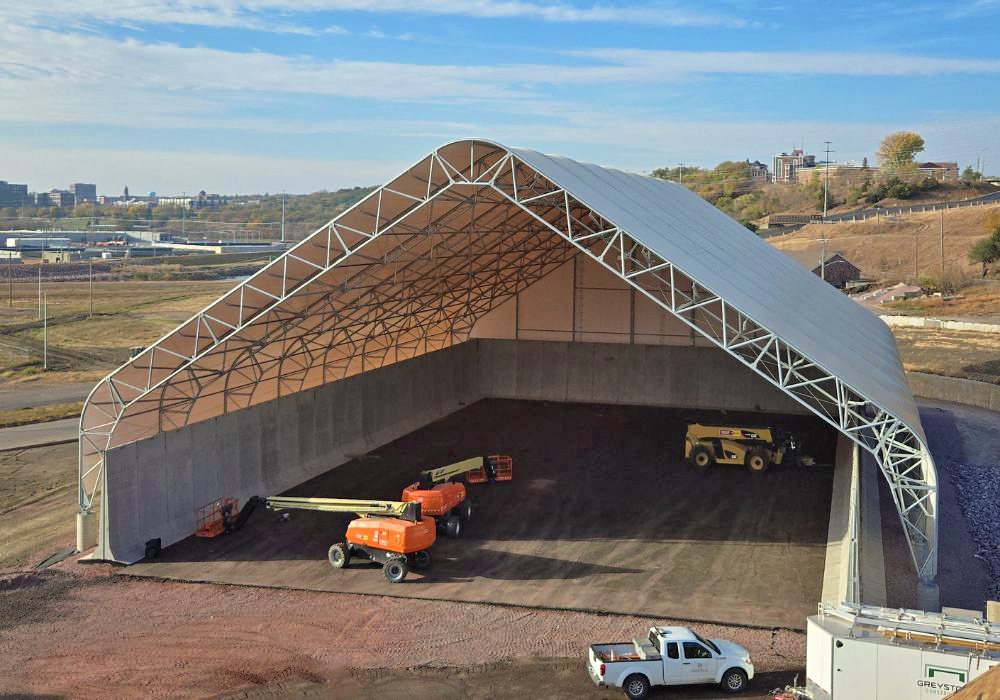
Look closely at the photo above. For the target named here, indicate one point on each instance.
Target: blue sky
(265, 95)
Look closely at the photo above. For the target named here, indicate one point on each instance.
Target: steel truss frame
(410, 269)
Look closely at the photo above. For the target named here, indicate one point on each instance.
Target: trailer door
(819, 654)
(855, 670)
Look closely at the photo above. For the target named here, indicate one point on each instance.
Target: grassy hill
(885, 249)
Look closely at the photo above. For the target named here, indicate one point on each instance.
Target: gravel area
(78, 631)
(978, 489)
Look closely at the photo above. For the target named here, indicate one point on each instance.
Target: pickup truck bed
(636, 650)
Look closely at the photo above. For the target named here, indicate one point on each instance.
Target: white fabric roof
(819, 321)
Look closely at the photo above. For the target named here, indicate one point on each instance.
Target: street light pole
(91, 288)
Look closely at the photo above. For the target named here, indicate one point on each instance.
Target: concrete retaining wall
(155, 486)
(965, 391)
(938, 323)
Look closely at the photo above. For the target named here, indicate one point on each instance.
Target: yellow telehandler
(755, 448)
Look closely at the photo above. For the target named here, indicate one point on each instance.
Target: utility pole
(45, 335)
(942, 246)
(681, 174)
(183, 212)
(916, 255)
(39, 290)
(282, 216)
(91, 288)
(826, 185)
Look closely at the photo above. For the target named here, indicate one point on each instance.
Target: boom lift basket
(496, 468)
(212, 519)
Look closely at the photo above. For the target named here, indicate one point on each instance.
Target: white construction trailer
(862, 652)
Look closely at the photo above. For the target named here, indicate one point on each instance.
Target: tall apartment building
(84, 192)
(62, 198)
(787, 165)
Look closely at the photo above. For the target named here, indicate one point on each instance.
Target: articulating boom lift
(447, 500)
(392, 533)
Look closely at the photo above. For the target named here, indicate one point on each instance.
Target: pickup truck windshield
(706, 642)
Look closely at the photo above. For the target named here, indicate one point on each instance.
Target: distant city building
(12, 195)
(940, 170)
(107, 199)
(84, 192)
(41, 199)
(786, 165)
(200, 201)
(758, 171)
(62, 198)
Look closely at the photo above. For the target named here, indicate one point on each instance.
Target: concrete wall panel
(155, 486)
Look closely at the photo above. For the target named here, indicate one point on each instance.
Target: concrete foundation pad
(602, 514)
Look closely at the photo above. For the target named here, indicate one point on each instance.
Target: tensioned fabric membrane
(413, 266)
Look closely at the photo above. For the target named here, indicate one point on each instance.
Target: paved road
(882, 211)
(32, 394)
(34, 434)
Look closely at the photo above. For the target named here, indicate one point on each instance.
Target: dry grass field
(885, 249)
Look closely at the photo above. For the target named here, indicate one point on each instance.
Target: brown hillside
(884, 249)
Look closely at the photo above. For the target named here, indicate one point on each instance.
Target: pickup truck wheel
(636, 686)
(734, 680)
(701, 457)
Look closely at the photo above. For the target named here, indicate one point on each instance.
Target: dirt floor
(603, 514)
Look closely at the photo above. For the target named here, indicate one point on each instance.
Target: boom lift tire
(395, 569)
(420, 560)
(453, 526)
(465, 510)
(339, 555)
(757, 460)
(734, 680)
(702, 457)
(636, 686)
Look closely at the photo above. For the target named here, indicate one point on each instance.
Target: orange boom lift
(392, 533)
(442, 496)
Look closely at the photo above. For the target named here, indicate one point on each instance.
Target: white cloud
(653, 65)
(271, 15)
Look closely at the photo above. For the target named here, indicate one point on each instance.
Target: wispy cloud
(293, 16)
(651, 65)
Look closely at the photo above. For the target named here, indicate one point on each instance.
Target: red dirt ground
(76, 630)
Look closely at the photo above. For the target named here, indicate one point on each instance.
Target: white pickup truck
(669, 656)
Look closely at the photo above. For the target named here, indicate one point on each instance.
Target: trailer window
(707, 642)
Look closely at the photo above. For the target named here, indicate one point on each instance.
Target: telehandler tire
(701, 457)
(395, 570)
(420, 560)
(757, 460)
(453, 526)
(339, 555)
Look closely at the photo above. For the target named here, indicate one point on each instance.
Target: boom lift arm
(365, 509)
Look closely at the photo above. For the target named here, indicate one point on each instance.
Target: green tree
(899, 148)
(864, 163)
(986, 251)
(970, 175)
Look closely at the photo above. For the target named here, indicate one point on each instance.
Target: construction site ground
(84, 631)
(603, 515)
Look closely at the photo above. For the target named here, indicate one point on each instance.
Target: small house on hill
(838, 270)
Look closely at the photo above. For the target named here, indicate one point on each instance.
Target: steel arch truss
(411, 269)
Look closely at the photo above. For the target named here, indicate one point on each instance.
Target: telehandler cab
(755, 448)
